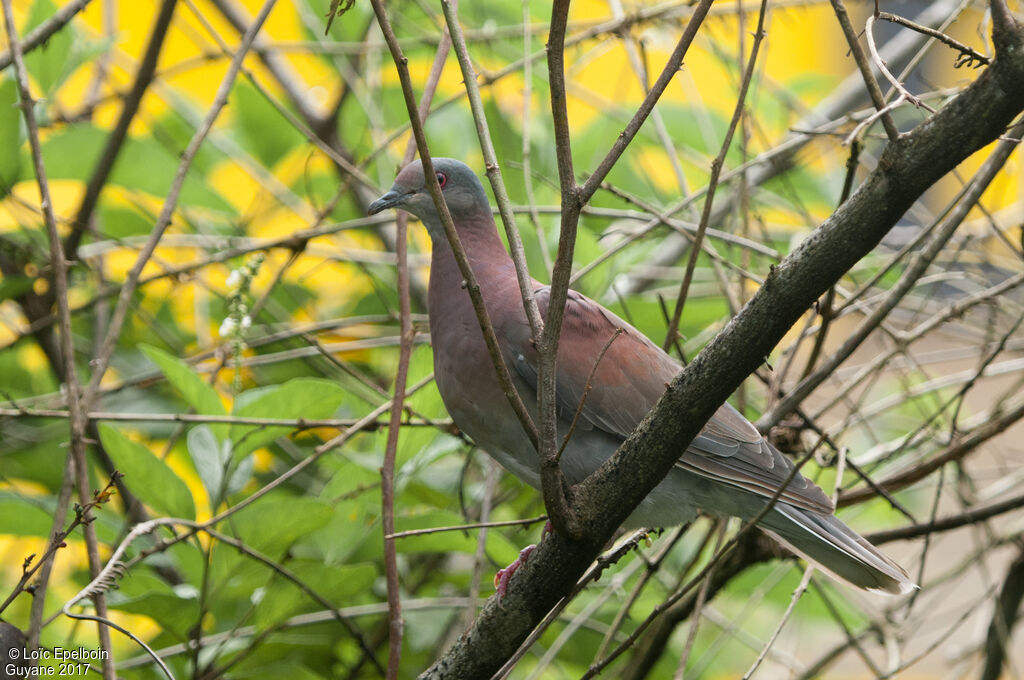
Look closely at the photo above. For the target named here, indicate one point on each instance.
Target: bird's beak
(391, 199)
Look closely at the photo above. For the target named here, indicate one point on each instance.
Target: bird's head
(462, 191)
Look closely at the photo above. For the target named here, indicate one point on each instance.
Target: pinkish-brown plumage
(729, 469)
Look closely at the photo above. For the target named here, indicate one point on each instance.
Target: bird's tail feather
(835, 548)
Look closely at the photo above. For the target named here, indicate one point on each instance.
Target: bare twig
(77, 405)
(716, 170)
(968, 56)
(515, 243)
(907, 281)
(41, 33)
(504, 377)
(880, 63)
(466, 527)
(102, 360)
(117, 137)
(387, 470)
(853, 40)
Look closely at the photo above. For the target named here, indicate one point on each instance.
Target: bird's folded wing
(622, 374)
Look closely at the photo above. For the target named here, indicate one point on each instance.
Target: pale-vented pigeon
(729, 469)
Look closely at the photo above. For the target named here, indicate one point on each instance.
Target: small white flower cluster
(238, 283)
(231, 325)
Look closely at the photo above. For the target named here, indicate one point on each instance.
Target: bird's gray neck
(490, 262)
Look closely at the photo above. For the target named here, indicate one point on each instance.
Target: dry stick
(60, 515)
(970, 516)
(60, 281)
(472, 286)
(387, 470)
(593, 573)
(716, 170)
(972, 195)
(779, 159)
(527, 122)
(698, 607)
(102, 360)
(850, 636)
(880, 63)
(967, 55)
(465, 527)
(115, 141)
(476, 105)
(864, 66)
(573, 198)
(41, 33)
(296, 423)
(554, 487)
(587, 386)
(719, 554)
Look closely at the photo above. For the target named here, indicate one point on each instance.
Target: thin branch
(997, 642)
(880, 63)
(672, 66)
(476, 105)
(981, 181)
(472, 286)
(77, 405)
(387, 470)
(965, 518)
(716, 170)
(967, 57)
(106, 350)
(466, 527)
(853, 40)
(797, 594)
(41, 33)
(296, 423)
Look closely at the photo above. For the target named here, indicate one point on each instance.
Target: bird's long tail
(837, 549)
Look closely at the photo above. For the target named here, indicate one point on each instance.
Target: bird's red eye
(442, 179)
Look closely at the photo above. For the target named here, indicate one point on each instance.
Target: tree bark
(907, 167)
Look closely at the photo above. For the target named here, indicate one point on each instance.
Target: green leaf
(210, 456)
(263, 130)
(148, 477)
(241, 476)
(48, 63)
(299, 398)
(143, 164)
(13, 286)
(140, 592)
(199, 395)
(337, 584)
(10, 134)
(21, 517)
(121, 222)
(499, 548)
(270, 526)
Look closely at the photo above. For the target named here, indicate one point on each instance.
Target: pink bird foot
(503, 576)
